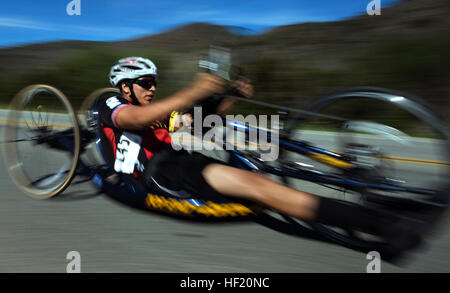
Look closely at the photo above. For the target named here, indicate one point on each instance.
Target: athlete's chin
(147, 100)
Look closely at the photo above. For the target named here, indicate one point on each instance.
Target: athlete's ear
(125, 88)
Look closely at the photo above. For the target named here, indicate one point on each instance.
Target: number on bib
(127, 153)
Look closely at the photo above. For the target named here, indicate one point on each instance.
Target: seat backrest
(102, 142)
(107, 152)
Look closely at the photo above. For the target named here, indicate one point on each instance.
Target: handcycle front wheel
(400, 147)
(41, 141)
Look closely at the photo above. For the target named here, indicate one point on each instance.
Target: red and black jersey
(132, 149)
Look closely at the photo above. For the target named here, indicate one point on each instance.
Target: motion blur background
(294, 51)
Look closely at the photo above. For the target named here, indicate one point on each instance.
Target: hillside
(192, 37)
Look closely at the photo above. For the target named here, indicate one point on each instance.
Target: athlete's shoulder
(113, 102)
(108, 107)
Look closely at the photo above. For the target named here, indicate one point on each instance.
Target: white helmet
(131, 68)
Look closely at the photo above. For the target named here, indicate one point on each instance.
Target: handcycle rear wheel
(85, 110)
(394, 139)
(88, 120)
(41, 118)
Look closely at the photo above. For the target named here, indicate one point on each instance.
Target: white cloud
(24, 23)
(85, 30)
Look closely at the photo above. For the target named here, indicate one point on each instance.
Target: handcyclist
(138, 131)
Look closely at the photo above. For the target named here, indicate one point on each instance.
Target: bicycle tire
(10, 150)
(412, 105)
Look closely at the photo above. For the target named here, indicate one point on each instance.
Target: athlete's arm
(139, 117)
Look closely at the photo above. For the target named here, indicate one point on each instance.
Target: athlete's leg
(239, 183)
(203, 176)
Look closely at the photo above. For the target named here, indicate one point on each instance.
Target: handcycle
(72, 145)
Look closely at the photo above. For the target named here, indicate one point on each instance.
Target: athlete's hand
(204, 85)
(239, 87)
(242, 87)
(184, 121)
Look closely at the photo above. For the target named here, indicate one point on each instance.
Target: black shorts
(172, 170)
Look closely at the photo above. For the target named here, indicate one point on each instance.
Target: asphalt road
(36, 235)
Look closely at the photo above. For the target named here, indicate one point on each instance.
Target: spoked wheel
(401, 150)
(88, 120)
(41, 141)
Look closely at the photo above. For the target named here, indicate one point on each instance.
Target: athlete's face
(144, 88)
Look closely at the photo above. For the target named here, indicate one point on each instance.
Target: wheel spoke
(27, 162)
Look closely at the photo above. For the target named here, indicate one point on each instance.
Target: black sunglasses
(145, 83)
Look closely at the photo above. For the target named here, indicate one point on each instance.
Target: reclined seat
(107, 153)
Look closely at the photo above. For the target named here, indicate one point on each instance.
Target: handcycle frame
(127, 190)
(243, 161)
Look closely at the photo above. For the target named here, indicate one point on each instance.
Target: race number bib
(127, 153)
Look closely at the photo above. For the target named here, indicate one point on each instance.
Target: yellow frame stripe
(330, 160)
(172, 118)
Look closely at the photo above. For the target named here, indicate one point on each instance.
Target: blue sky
(31, 21)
